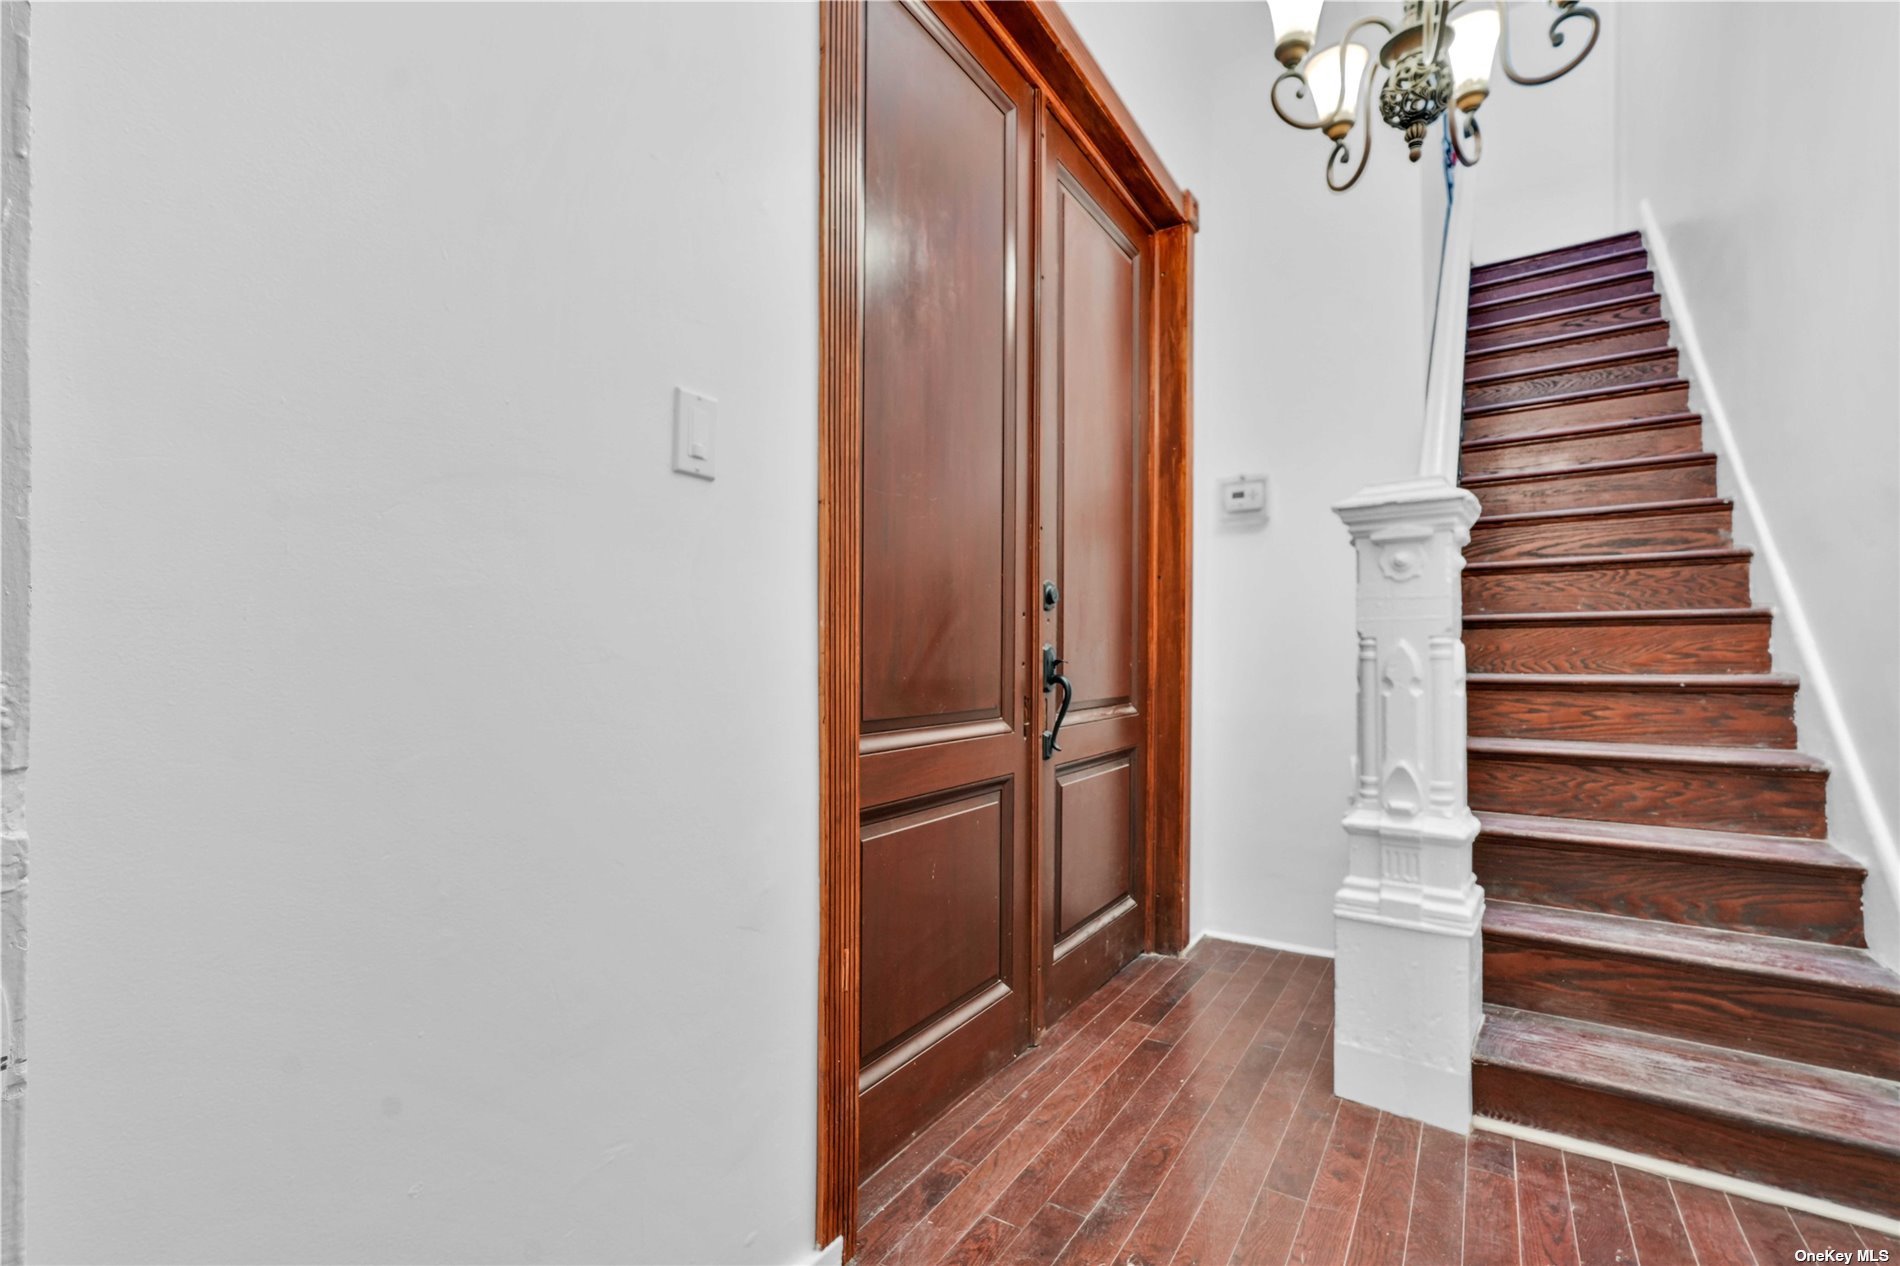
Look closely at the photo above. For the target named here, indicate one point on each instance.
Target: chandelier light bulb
(1474, 45)
(1295, 23)
(1332, 89)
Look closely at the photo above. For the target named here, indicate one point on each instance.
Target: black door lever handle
(1051, 678)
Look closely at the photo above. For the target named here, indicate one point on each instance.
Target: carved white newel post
(1407, 918)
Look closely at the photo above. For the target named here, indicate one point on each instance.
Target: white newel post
(1407, 918)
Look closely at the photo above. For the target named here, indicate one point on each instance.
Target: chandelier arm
(1372, 60)
(1340, 156)
(1340, 152)
(1569, 9)
(1273, 95)
(1469, 128)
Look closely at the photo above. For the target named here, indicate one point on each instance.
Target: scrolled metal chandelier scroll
(1437, 60)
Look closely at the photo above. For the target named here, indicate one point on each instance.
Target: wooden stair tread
(1556, 368)
(1687, 615)
(1755, 758)
(1810, 964)
(1629, 255)
(1559, 561)
(1576, 248)
(1682, 505)
(1662, 386)
(1594, 468)
(1686, 842)
(1636, 681)
(1477, 329)
(1502, 350)
(1563, 288)
(1582, 430)
(1758, 1089)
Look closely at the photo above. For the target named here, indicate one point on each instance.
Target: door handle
(1051, 678)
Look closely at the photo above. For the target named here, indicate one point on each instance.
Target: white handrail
(1445, 373)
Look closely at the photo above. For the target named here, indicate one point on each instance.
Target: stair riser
(1645, 647)
(1714, 718)
(1857, 1177)
(1763, 802)
(1743, 1010)
(1647, 308)
(1683, 482)
(1658, 368)
(1619, 534)
(1808, 905)
(1630, 261)
(1646, 441)
(1484, 274)
(1629, 286)
(1682, 586)
(1651, 403)
(1602, 343)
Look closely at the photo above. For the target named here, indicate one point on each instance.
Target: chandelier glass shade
(1437, 61)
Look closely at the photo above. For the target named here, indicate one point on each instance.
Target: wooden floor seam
(1191, 1103)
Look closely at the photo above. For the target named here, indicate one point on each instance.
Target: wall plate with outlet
(695, 423)
(1244, 497)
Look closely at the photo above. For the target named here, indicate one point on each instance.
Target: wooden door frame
(1038, 37)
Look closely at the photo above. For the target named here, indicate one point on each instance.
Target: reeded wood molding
(840, 350)
(1040, 36)
(1171, 568)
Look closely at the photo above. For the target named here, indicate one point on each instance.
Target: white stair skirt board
(1863, 829)
(1694, 1177)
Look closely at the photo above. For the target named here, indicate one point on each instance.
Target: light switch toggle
(695, 426)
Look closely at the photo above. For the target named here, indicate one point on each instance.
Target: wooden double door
(1006, 287)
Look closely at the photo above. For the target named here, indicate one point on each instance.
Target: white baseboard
(1869, 836)
(1262, 943)
(1695, 1177)
(1437, 1096)
(831, 1254)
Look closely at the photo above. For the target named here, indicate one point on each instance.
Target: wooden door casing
(943, 777)
(1095, 272)
(878, 768)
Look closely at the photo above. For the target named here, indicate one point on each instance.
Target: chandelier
(1438, 59)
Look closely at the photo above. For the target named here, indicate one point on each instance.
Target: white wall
(1550, 150)
(425, 805)
(1784, 226)
(1323, 410)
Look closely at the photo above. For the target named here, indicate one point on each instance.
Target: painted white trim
(831, 1254)
(1695, 1177)
(1403, 1086)
(1791, 614)
(1262, 943)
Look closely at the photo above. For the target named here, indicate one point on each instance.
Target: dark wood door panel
(1091, 467)
(935, 935)
(943, 791)
(1096, 310)
(941, 444)
(1095, 840)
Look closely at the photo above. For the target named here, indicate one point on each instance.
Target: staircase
(1674, 963)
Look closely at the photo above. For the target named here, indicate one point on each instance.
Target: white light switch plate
(695, 427)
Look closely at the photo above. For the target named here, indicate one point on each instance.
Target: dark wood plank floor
(1185, 1114)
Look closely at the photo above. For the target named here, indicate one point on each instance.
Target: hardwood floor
(1185, 1114)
